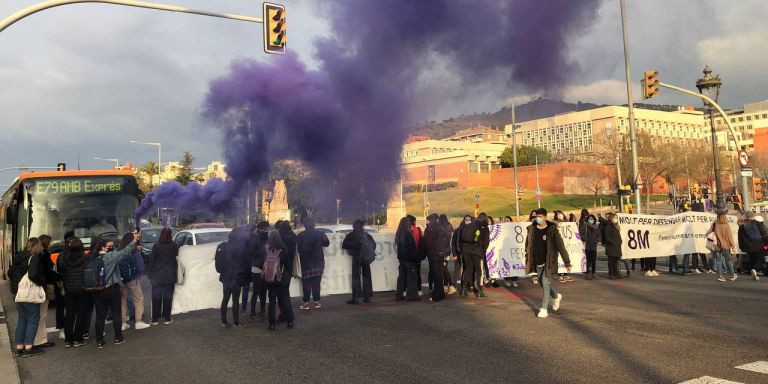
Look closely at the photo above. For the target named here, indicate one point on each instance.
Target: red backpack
(273, 269)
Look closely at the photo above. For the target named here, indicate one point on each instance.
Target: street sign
(639, 184)
(746, 171)
(538, 194)
(743, 159)
(477, 197)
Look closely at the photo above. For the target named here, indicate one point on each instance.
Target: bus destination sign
(78, 186)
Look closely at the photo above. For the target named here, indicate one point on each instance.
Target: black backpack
(17, 271)
(94, 277)
(367, 249)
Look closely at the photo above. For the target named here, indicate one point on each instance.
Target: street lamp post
(159, 156)
(117, 162)
(710, 86)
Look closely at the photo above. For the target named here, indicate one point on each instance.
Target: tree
(185, 174)
(526, 155)
(151, 169)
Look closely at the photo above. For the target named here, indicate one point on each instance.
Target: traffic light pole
(745, 180)
(631, 114)
(10, 20)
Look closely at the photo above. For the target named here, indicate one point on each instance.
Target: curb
(8, 367)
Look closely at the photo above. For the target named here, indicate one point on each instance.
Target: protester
(559, 217)
(356, 243)
(590, 235)
(258, 249)
(474, 242)
(535, 273)
(417, 235)
(163, 270)
(437, 247)
(724, 246)
(755, 233)
(458, 266)
(310, 246)
(408, 256)
(27, 263)
(289, 240)
(611, 238)
(483, 223)
(743, 244)
(51, 279)
(275, 289)
(233, 264)
(542, 247)
(108, 299)
(448, 228)
(72, 263)
(131, 269)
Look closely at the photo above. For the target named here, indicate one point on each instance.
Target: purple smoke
(213, 197)
(349, 118)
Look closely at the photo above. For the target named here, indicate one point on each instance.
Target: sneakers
(304, 306)
(567, 278)
(168, 321)
(452, 290)
(556, 302)
(754, 275)
(141, 325)
(100, 344)
(317, 305)
(154, 322)
(535, 281)
(514, 284)
(697, 271)
(237, 326)
(464, 292)
(720, 279)
(711, 272)
(61, 335)
(18, 353)
(352, 302)
(33, 352)
(119, 341)
(421, 293)
(78, 344)
(733, 278)
(649, 273)
(655, 273)
(69, 345)
(86, 335)
(481, 294)
(290, 325)
(126, 327)
(542, 313)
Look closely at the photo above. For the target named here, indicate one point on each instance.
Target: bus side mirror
(11, 215)
(140, 195)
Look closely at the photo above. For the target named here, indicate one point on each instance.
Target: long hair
(75, 245)
(274, 241)
(403, 230)
(165, 236)
(443, 220)
(125, 241)
(45, 240)
(34, 246)
(482, 219)
(721, 218)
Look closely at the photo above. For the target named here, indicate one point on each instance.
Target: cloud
(607, 91)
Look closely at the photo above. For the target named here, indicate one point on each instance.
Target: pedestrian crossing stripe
(757, 366)
(709, 380)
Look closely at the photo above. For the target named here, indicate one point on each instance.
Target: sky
(84, 80)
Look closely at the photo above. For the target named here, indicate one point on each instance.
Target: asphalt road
(665, 329)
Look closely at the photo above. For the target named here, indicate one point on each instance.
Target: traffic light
(650, 84)
(625, 190)
(274, 28)
(61, 167)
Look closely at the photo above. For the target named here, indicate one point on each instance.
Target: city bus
(62, 204)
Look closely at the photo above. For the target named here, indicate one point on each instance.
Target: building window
(749, 118)
(473, 167)
(431, 173)
(741, 118)
(733, 120)
(485, 167)
(765, 115)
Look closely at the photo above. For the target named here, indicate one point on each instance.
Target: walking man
(542, 247)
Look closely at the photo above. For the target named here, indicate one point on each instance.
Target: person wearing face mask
(590, 235)
(559, 217)
(542, 247)
(258, 253)
(458, 263)
(611, 238)
(535, 273)
(474, 242)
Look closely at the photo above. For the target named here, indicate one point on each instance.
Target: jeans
(472, 271)
(260, 292)
(134, 288)
(723, 254)
(547, 290)
(78, 304)
(406, 279)
(108, 299)
(162, 300)
(591, 260)
(364, 288)
(311, 288)
(246, 290)
(26, 327)
(231, 290)
(438, 289)
(626, 266)
(686, 263)
(672, 264)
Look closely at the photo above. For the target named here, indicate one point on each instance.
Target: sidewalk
(8, 370)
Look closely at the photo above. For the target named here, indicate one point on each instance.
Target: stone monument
(278, 207)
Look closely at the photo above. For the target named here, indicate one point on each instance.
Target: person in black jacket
(437, 247)
(408, 256)
(51, 279)
(289, 240)
(458, 268)
(310, 244)
(611, 238)
(234, 267)
(590, 235)
(352, 243)
(72, 269)
(474, 243)
(448, 284)
(163, 269)
(257, 251)
(27, 263)
(275, 289)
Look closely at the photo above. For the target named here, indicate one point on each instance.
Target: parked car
(149, 237)
(205, 225)
(201, 236)
(340, 228)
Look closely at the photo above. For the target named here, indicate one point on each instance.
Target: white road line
(709, 380)
(757, 366)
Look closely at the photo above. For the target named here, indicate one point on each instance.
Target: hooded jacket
(590, 235)
(113, 258)
(162, 267)
(232, 260)
(555, 247)
(310, 244)
(436, 243)
(72, 270)
(481, 233)
(611, 239)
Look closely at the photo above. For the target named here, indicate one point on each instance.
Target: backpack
(128, 269)
(367, 249)
(94, 278)
(16, 272)
(273, 269)
(444, 242)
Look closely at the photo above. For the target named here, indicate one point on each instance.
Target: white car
(201, 236)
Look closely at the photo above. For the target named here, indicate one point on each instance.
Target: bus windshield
(86, 207)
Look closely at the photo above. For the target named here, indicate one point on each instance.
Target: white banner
(660, 236)
(202, 289)
(506, 253)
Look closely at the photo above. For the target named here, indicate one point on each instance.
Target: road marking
(709, 380)
(757, 366)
